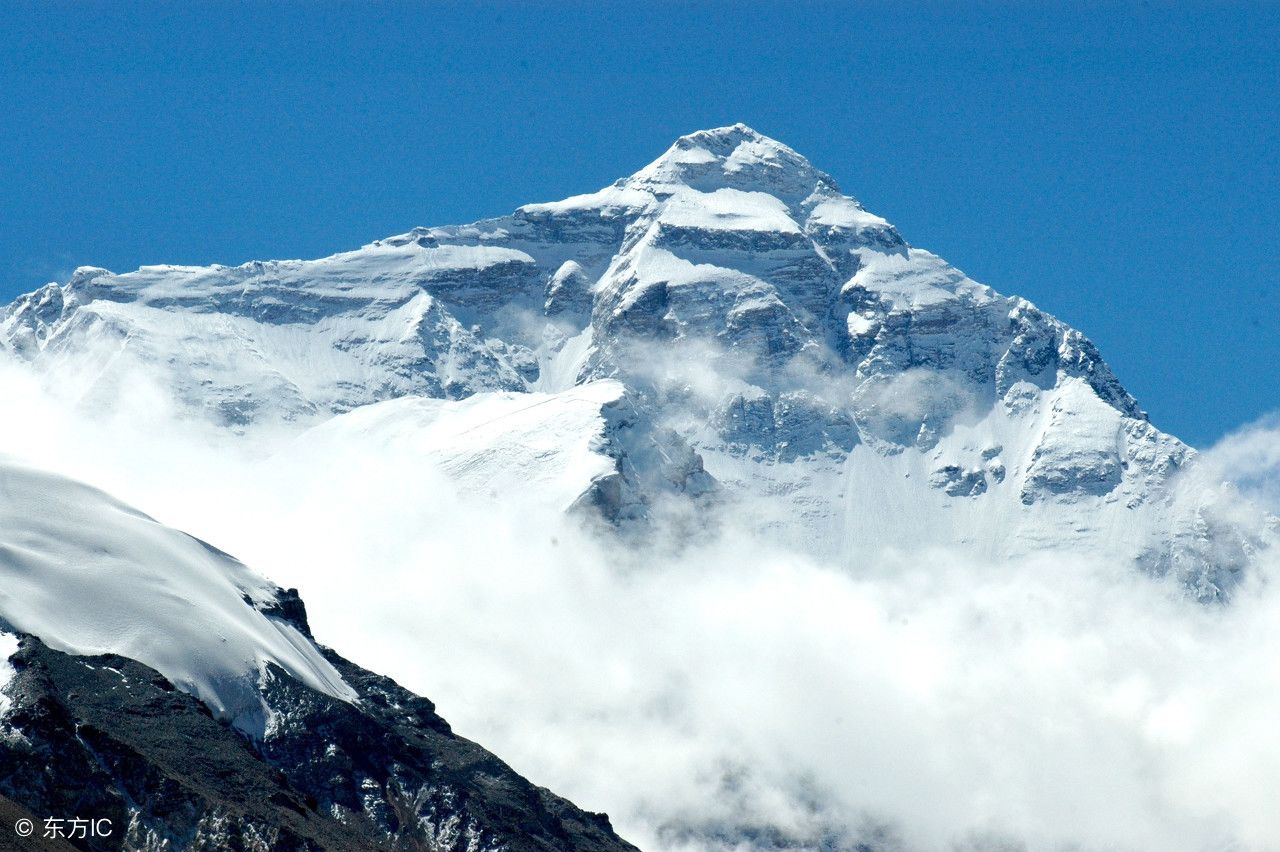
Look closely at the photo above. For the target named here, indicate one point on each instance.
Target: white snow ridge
(89, 575)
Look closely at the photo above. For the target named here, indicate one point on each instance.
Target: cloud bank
(737, 694)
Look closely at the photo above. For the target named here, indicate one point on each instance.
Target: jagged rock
(958, 482)
(106, 737)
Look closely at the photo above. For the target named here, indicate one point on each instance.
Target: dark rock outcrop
(106, 737)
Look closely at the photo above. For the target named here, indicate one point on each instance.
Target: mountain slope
(154, 681)
(779, 349)
(90, 575)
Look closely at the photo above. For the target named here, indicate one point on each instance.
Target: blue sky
(1118, 164)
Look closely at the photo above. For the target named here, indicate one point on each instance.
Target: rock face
(109, 738)
(779, 348)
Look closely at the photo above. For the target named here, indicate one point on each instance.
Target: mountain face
(766, 342)
(156, 682)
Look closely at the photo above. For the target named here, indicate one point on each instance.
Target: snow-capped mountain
(155, 682)
(721, 343)
(762, 335)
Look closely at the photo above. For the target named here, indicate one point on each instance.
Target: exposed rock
(108, 738)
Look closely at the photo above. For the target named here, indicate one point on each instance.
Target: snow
(859, 325)
(736, 157)
(728, 210)
(693, 155)
(843, 212)
(8, 647)
(543, 446)
(90, 575)
(753, 153)
(561, 367)
(920, 278)
(651, 265)
(612, 199)
(375, 271)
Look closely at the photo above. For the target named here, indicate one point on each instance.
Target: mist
(734, 693)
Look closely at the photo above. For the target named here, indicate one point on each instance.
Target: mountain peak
(732, 133)
(733, 157)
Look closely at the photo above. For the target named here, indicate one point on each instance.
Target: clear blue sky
(1118, 164)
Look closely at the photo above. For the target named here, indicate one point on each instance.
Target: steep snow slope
(89, 575)
(776, 344)
(549, 445)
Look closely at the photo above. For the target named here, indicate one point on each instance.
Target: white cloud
(1250, 458)
(738, 693)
